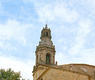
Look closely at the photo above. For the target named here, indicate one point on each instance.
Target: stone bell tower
(45, 51)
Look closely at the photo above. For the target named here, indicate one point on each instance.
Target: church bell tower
(45, 51)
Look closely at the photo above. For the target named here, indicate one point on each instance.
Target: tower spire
(45, 51)
(46, 26)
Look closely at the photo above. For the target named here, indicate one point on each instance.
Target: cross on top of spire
(46, 26)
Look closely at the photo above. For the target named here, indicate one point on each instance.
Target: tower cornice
(40, 48)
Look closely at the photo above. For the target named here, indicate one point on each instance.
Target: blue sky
(71, 22)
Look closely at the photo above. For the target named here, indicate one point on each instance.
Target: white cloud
(62, 58)
(13, 30)
(84, 56)
(88, 55)
(0, 5)
(64, 13)
(84, 6)
(78, 53)
(7, 46)
(25, 67)
(56, 11)
(82, 32)
(91, 3)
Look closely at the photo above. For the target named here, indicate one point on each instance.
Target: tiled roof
(81, 68)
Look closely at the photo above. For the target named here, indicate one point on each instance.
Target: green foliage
(9, 75)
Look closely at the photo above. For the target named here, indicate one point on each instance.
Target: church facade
(46, 68)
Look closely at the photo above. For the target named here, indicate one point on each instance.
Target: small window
(48, 59)
(37, 59)
(46, 33)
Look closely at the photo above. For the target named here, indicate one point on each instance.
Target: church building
(46, 68)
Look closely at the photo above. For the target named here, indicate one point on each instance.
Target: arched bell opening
(48, 58)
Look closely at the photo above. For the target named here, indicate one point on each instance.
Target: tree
(9, 75)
